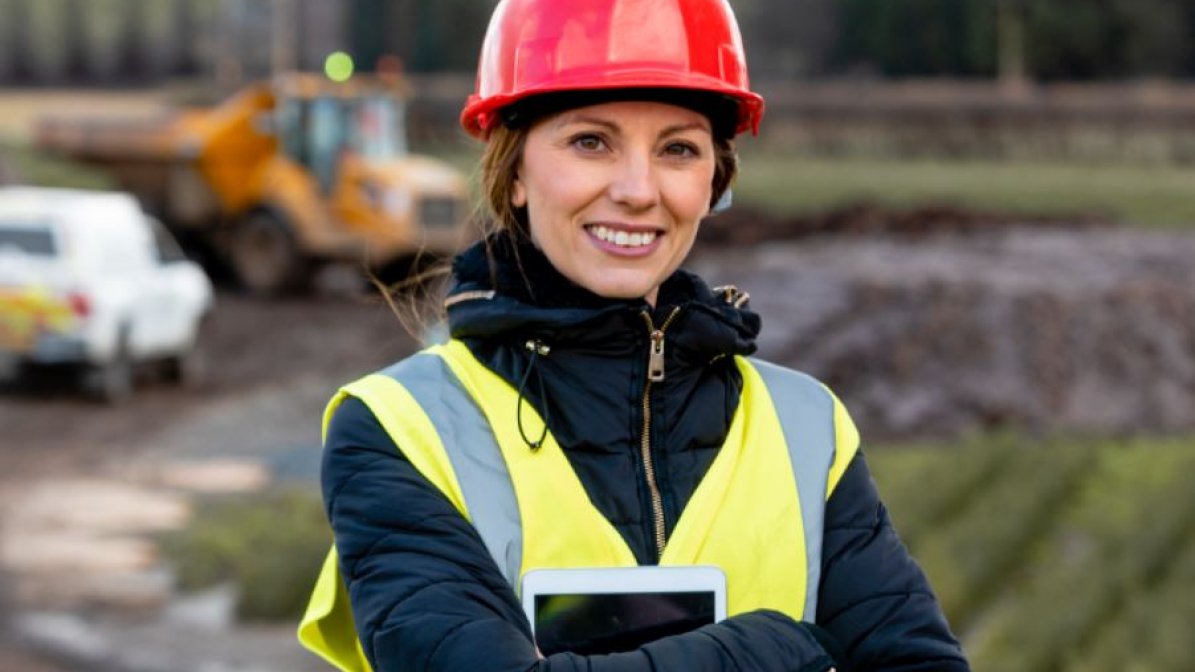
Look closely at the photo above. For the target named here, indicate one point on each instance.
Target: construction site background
(972, 219)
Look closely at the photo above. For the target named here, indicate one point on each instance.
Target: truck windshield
(378, 129)
(317, 131)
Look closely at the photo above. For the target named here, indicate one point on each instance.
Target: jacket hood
(505, 288)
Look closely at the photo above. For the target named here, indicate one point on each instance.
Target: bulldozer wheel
(264, 254)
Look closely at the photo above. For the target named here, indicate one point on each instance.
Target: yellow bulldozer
(283, 177)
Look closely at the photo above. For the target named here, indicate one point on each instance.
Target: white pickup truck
(87, 280)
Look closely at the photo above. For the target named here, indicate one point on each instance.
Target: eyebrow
(598, 121)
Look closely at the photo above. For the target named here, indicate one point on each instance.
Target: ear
(518, 193)
(723, 203)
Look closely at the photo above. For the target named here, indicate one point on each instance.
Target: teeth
(622, 238)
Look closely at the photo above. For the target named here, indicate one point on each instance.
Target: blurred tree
(16, 40)
(1062, 39)
(1059, 39)
(1188, 28)
(184, 29)
(789, 39)
(1087, 39)
(1010, 36)
(371, 21)
(133, 39)
(42, 40)
(75, 40)
(429, 36)
(916, 37)
(450, 34)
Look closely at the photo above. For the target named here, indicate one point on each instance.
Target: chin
(619, 290)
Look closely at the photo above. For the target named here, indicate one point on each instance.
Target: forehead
(630, 113)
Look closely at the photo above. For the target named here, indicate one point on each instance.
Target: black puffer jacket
(427, 596)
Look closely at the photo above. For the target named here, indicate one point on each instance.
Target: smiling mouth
(622, 238)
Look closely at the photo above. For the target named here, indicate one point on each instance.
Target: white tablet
(607, 610)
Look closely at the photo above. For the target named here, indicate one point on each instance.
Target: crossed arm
(427, 596)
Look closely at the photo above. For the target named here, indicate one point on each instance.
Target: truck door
(325, 139)
(364, 198)
(175, 310)
(314, 135)
(153, 307)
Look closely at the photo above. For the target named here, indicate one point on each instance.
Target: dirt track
(52, 434)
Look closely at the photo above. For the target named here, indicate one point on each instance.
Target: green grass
(1069, 555)
(270, 545)
(1150, 195)
(1007, 512)
(1109, 543)
(955, 472)
(42, 169)
(1154, 630)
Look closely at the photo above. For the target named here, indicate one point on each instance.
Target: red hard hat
(535, 47)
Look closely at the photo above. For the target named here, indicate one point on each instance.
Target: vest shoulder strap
(821, 441)
(810, 409)
(424, 408)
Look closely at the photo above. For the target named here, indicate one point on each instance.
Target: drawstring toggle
(538, 349)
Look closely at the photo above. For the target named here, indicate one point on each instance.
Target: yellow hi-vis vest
(757, 513)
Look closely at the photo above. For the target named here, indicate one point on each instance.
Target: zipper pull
(537, 347)
(655, 357)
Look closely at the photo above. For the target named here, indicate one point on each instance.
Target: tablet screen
(613, 609)
(594, 623)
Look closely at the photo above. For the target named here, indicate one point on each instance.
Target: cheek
(691, 194)
(559, 197)
(549, 211)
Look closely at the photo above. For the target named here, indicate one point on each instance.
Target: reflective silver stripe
(474, 453)
(806, 413)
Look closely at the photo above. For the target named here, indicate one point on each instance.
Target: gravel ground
(271, 367)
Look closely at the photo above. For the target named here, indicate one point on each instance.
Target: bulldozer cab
(322, 124)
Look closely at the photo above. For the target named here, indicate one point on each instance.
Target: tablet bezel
(608, 580)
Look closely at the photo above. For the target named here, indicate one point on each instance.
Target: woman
(595, 406)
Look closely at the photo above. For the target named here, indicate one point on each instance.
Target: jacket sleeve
(427, 596)
(874, 598)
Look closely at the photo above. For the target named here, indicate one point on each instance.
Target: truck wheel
(264, 254)
(111, 382)
(189, 368)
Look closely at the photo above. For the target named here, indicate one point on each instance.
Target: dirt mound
(1046, 330)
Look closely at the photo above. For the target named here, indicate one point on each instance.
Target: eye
(588, 142)
(681, 150)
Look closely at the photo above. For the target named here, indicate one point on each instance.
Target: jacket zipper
(655, 374)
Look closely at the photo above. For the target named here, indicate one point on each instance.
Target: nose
(634, 184)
